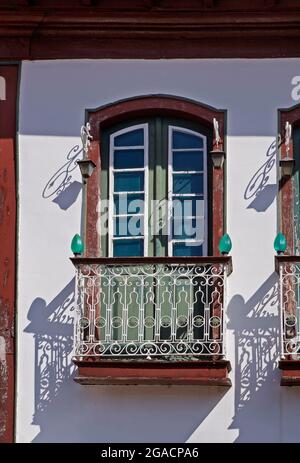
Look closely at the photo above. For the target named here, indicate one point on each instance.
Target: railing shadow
(258, 190)
(68, 412)
(256, 328)
(52, 327)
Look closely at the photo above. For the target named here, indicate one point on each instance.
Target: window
(289, 145)
(296, 187)
(187, 188)
(182, 113)
(156, 172)
(288, 264)
(151, 284)
(128, 187)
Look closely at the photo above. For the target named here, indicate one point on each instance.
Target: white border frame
(171, 129)
(145, 147)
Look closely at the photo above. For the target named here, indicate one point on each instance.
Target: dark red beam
(150, 29)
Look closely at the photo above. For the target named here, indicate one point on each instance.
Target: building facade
(149, 334)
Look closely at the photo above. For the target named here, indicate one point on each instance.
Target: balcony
(288, 268)
(151, 320)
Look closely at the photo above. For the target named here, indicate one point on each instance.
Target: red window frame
(140, 107)
(286, 199)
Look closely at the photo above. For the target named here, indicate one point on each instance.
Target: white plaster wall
(53, 97)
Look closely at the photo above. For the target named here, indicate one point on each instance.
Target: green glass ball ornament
(225, 244)
(77, 245)
(280, 243)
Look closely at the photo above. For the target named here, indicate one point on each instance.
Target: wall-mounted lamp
(217, 155)
(287, 163)
(287, 166)
(86, 167)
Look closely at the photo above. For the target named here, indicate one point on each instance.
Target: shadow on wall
(258, 190)
(69, 412)
(61, 185)
(257, 390)
(52, 327)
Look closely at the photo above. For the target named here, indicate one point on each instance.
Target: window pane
(129, 181)
(128, 226)
(133, 138)
(128, 159)
(128, 248)
(188, 160)
(181, 249)
(188, 206)
(188, 183)
(129, 204)
(186, 140)
(192, 228)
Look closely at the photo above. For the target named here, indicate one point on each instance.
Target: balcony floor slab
(290, 372)
(202, 373)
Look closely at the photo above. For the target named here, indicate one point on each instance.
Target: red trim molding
(286, 200)
(290, 372)
(202, 373)
(7, 248)
(149, 29)
(144, 106)
(201, 260)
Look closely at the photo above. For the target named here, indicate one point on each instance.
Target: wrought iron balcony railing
(171, 308)
(288, 268)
